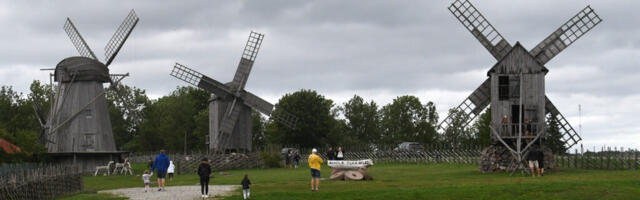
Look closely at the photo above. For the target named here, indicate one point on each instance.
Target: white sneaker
(202, 196)
(206, 196)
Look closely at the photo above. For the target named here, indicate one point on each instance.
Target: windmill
(230, 105)
(515, 87)
(78, 121)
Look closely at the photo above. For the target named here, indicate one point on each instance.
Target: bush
(271, 159)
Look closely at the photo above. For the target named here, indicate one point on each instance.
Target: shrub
(271, 159)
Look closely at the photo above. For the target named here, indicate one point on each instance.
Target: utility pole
(185, 143)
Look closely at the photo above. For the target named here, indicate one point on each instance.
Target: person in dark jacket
(331, 155)
(245, 187)
(204, 170)
(541, 161)
(533, 158)
(296, 159)
(150, 163)
(161, 163)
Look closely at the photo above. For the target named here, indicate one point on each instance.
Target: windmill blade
(569, 135)
(199, 80)
(564, 36)
(284, 117)
(472, 106)
(77, 40)
(246, 61)
(120, 36)
(257, 103)
(475, 23)
(231, 117)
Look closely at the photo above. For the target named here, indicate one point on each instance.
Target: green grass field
(408, 181)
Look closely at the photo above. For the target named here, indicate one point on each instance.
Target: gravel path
(174, 192)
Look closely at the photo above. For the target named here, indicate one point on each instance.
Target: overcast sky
(376, 49)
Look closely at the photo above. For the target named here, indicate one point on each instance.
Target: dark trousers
(204, 185)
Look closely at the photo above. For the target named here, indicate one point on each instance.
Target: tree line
(179, 121)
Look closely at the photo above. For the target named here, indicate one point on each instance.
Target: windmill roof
(79, 68)
(9, 147)
(518, 55)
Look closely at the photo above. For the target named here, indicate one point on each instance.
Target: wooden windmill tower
(515, 87)
(79, 119)
(230, 106)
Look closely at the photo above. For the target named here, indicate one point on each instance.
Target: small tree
(481, 129)
(554, 136)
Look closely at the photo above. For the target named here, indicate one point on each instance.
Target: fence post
(575, 159)
(636, 160)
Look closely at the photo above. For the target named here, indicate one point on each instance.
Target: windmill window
(87, 114)
(514, 87)
(503, 87)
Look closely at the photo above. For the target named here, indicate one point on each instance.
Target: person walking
(314, 163)
(161, 163)
(532, 158)
(289, 157)
(339, 154)
(541, 161)
(204, 171)
(296, 159)
(146, 180)
(245, 187)
(171, 170)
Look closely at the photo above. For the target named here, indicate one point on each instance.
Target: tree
(314, 115)
(169, 119)
(406, 119)
(554, 137)
(258, 138)
(457, 133)
(363, 120)
(125, 106)
(481, 129)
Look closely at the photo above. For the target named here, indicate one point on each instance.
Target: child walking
(145, 178)
(245, 187)
(204, 170)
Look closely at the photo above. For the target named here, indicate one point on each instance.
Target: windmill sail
(564, 36)
(119, 37)
(472, 106)
(569, 135)
(246, 62)
(77, 40)
(475, 23)
(198, 79)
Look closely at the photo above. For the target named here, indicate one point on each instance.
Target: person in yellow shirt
(314, 163)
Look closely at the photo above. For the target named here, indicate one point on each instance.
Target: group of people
(512, 129)
(163, 166)
(292, 156)
(335, 155)
(535, 160)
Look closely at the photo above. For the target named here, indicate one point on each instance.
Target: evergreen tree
(482, 130)
(554, 137)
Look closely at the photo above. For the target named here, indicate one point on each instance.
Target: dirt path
(174, 192)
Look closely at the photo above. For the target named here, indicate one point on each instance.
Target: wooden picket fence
(32, 181)
(608, 159)
(189, 163)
